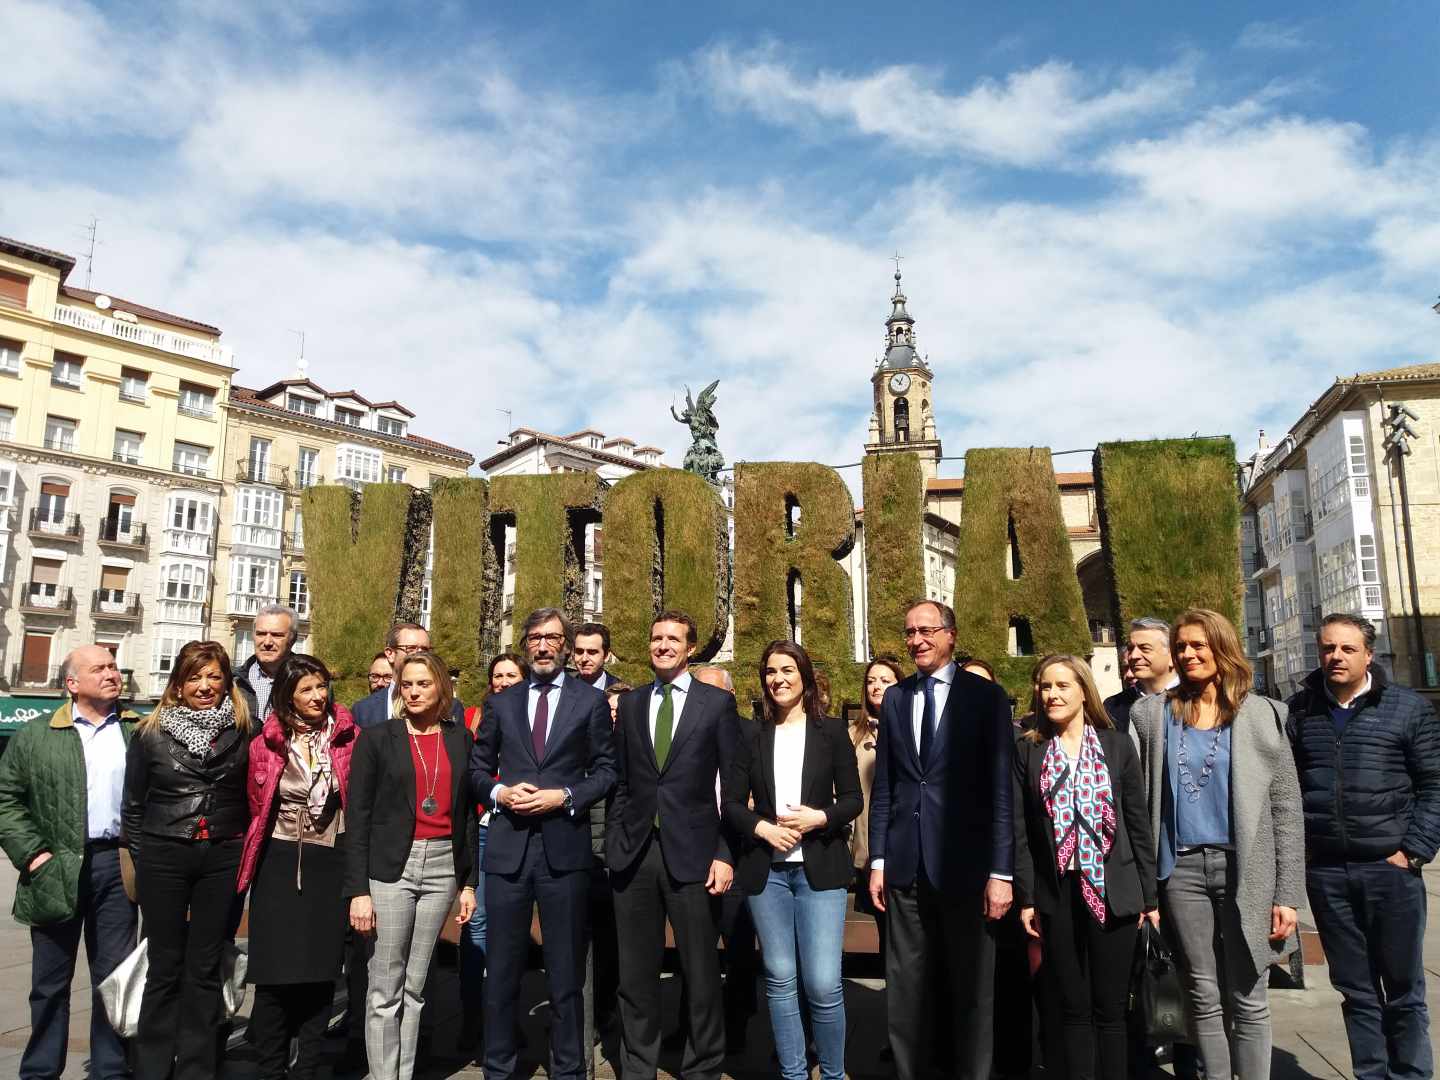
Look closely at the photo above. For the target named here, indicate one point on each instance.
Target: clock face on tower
(899, 382)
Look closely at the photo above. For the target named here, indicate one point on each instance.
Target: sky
(1116, 221)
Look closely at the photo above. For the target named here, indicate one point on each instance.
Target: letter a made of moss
(666, 546)
(465, 582)
(767, 554)
(1170, 526)
(1016, 487)
(360, 558)
(550, 513)
(894, 561)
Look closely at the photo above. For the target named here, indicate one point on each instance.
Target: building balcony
(120, 535)
(123, 458)
(151, 337)
(248, 603)
(7, 518)
(189, 542)
(184, 469)
(66, 527)
(42, 599)
(189, 612)
(308, 479)
(115, 605)
(251, 471)
(35, 677)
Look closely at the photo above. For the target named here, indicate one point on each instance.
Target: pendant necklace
(428, 805)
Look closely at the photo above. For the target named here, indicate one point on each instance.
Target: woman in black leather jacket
(185, 815)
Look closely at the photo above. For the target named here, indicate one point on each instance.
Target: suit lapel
(907, 712)
(687, 718)
(639, 718)
(457, 747)
(767, 763)
(400, 736)
(527, 740)
(810, 765)
(563, 713)
(945, 719)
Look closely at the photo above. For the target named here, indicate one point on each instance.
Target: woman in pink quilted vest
(293, 863)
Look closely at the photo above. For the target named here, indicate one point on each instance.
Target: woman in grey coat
(1224, 806)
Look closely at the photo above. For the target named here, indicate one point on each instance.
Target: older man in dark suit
(549, 740)
(667, 851)
(941, 843)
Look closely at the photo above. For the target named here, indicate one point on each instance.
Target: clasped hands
(785, 831)
(529, 800)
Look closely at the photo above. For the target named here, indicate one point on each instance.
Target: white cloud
(1029, 118)
(1272, 37)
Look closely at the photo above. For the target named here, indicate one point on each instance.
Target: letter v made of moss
(767, 555)
(1170, 526)
(666, 546)
(550, 513)
(363, 570)
(894, 486)
(1005, 486)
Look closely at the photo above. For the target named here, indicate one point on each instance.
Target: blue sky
(1118, 221)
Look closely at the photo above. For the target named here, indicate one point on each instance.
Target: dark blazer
(380, 812)
(958, 811)
(1129, 868)
(168, 790)
(374, 709)
(829, 781)
(578, 755)
(1117, 707)
(708, 740)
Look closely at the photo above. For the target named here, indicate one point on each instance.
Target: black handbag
(1156, 994)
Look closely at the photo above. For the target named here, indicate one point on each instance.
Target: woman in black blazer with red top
(805, 787)
(1084, 860)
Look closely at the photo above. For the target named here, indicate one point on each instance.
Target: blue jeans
(1371, 918)
(802, 935)
(472, 940)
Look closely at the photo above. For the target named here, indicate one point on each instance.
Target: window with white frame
(10, 351)
(66, 371)
(133, 384)
(301, 404)
(189, 514)
(7, 424)
(258, 463)
(192, 460)
(7, 483)
(388, 425)
(395, 474)
(244, 643)
(166, 646)
(309, 468)
(183, 581)
(252, 582)
(299, 537)
(128, 446)
(299, 593)
(348, 417)
(258, 513)
(59, 433)
(358, 463)
(197, 400)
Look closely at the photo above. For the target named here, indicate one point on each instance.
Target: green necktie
(664, 729)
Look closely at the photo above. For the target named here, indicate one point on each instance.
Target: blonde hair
(1233, 674)
(194, 656)
(1092, 707)
(445, 697)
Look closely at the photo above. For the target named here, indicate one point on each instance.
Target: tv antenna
(509, 425)
(90, 232)
(300, 363)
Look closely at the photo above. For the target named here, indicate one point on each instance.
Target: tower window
(902, 420)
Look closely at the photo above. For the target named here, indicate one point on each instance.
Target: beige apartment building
(110, 432)
(280, 440)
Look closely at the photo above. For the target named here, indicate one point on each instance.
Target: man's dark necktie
(538, 730)
(927, 723)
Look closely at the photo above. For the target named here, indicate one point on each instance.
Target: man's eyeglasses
(409, 649)
(544, 639)
(926, 632)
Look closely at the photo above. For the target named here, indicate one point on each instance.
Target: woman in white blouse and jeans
(805, 787)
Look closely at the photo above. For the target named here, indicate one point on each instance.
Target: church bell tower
(903, 418)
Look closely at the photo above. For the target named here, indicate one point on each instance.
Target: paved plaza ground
(1309, 1036)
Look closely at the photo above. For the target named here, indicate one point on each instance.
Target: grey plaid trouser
(409, 914)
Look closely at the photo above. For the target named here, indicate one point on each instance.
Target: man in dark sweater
(1368, 755)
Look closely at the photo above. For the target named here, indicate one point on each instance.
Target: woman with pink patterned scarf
(1084, 861)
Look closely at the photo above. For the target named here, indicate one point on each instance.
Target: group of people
(1189, 802)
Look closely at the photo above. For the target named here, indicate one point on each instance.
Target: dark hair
(380, 656)
(1355, 622)
(947, 613)
(297, 666)
(515, 658)
(191, 658)
(591, 629)
(886, 661)
(540, 616)
(392, 639)
(615, 689)
(811, 695)
(692, 634)
(975, 661)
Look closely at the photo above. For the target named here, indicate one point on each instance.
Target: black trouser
(105, 917)
(290, 1011)
(1371, 918)
(604, 947)
(1087, 968)
(187, 888)
(939, 938)
(742, 966)
(1014, 1010)
(645, 896)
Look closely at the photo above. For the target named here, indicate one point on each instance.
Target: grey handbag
(124, 988)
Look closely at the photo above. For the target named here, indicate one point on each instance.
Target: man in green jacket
(61, 783)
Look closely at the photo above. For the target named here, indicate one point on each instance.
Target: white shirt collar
(680, 683)
(556, 682)
(945, 675)
(1364, 689)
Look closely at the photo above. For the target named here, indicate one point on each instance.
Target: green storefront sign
(18, 710)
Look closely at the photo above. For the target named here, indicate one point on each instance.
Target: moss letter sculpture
(895, 563)
(550, 513)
